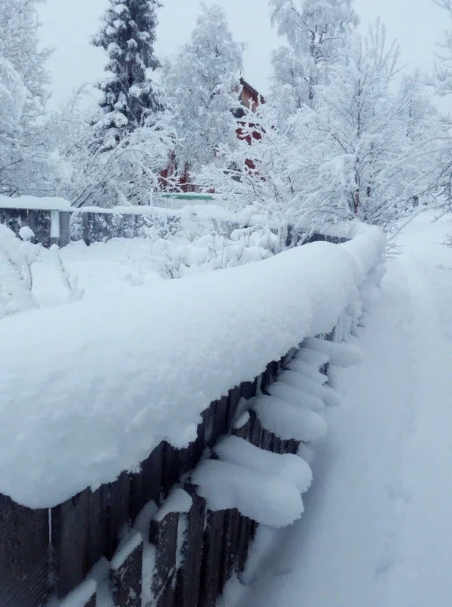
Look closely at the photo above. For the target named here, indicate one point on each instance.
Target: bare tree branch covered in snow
(315, 33)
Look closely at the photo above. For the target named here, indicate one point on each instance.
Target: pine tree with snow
(129, 95)
(316, 31)
(202, 85)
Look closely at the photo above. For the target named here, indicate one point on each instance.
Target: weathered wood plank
(146, 485)
(211, 559)
(234, 399)
(126, 573)
(70, 524)
(163, 535)
(24, 555)
(118, 512)
(97, 525)
(189, 575)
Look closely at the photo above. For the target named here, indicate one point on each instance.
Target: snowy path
(377, 531)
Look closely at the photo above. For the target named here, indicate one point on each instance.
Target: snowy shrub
(16, 280)
(182, 254)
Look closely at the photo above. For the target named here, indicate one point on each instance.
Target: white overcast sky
(67, 26)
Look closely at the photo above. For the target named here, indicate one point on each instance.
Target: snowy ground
(377, 528)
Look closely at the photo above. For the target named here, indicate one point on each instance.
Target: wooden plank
(190, 456)
(118, 512)
(171, 467)
(146, 485)
(86, 229)
(97, 525)
(234, 399)
(70, 524)
(266, 439)
(208, 417)
(243, 542)
(211, 559)
(24, 555)
(221, 419)
(248, 389)
(126, 573)
(276, 444)
(65, 236)
(163, 534)
(255, 429)
(189, 575)
(233, 542)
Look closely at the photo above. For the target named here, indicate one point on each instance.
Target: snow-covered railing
(54, 221)
(134, 401)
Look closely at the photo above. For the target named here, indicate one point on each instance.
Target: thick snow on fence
(91, 388)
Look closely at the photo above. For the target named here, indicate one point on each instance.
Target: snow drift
(91, 388)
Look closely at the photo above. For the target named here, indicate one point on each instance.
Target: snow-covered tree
(19, 44)
(129, 95)
(441, 81)
(443, 68)
(126, 174)
(25, 167)
(423, 130)
(316, 31)
(13, 95)
(351, 156)
(354, 137)
(202, 86)
(257, 173)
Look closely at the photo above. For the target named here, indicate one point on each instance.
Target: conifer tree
(129, 96)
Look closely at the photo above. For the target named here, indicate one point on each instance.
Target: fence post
(54, 228)
(65, 236)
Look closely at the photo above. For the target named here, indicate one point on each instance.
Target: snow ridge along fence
(174, 529)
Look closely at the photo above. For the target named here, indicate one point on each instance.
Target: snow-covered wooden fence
(173, 531)
(61, 226)
(54, 221)
(45, 552)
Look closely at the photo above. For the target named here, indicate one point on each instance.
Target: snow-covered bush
(177, 258)
(16, 279)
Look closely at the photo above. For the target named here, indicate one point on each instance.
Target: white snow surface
(377, 529)
(126, 549)
(34, 202)
(90, 388)
(290, 467)
(289, 421)
(296, 397)
(81, 595)
(268, 499)
(177, 501)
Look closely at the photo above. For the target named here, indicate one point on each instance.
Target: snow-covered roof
(33, 202)
(91, 388)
